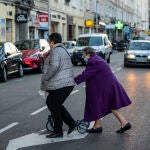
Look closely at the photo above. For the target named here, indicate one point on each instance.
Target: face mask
(85, 59)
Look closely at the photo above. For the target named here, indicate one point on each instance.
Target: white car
(138, 53)
(69, 46)
(98, 41)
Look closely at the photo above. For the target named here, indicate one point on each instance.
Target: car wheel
(41, 67)
(20, 70)
(108, 60)
(125, 64)
(4, 75)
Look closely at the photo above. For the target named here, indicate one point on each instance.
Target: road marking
(17, 80)
(38, 111)
(35, 139)
(45, 107)
(73, 92)
(3, 84)
(118, 68)
(8, 127)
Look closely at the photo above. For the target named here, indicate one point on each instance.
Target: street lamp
(49, 18)
(96, 16)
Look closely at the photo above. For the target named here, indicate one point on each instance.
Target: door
(15, 56)
(7, 51)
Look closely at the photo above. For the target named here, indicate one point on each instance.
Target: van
(98, 41)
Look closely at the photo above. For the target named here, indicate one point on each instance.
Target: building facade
(28, 19)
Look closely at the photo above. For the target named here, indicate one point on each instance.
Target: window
(7, 48)
(13, 48)
(81, 4)
(74, 3)
(87, 4)
(89, 41)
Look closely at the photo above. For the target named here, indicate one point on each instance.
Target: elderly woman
(104, 94)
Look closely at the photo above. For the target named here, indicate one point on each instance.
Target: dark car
(34, 52)
(138, 53)
(10, 61)
(121, 45)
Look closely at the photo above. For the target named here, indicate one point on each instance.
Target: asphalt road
(23, 114)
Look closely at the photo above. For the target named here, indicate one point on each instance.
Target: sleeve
(87, 74)
(53, 66)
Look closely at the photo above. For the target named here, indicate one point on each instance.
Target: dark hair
(88, 50)
(55, 37)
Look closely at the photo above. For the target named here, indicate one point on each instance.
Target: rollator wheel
(87, 124)
(82, 127)
(49, 127)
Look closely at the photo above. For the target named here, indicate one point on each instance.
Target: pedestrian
(57, 79)
(104, 93)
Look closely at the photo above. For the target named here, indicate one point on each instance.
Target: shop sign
(43, 19)
(89, 23)
(21, 18)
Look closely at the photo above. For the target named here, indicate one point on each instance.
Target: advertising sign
(43, 19)
(21, 18)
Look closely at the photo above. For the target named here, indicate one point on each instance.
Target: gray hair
(88, 50)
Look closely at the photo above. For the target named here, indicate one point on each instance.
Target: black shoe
(71, 129)
(55, 135)
(125, 128)
(97, 130)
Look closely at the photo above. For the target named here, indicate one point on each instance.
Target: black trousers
(59, 113)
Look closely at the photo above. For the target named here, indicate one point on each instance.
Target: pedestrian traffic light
(119, 25)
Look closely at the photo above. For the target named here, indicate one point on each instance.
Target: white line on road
(118, 68)
(45, 107)
(8, 127)
(38, 111)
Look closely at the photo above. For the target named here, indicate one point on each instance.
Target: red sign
(43, 17)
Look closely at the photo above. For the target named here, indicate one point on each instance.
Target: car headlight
(148, 57)
(35, 55)
(131, 56)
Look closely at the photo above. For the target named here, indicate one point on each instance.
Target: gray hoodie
(58, 69)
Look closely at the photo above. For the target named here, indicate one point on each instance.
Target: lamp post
(122, 19)
(96, 17)
(49, 18)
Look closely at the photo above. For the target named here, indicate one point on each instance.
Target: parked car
(69, 46)
(138, 53)
(34, 52)
(98, 41)
(10, 61)
(121, 45)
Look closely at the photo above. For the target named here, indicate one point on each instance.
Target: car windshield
(139, 46)
(27, 45)
(67, 45)
(89, 41)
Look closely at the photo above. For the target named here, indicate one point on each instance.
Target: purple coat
(103, 91)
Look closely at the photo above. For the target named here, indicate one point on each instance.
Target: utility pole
(122, 19)
(49, 18)
(96, 17)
